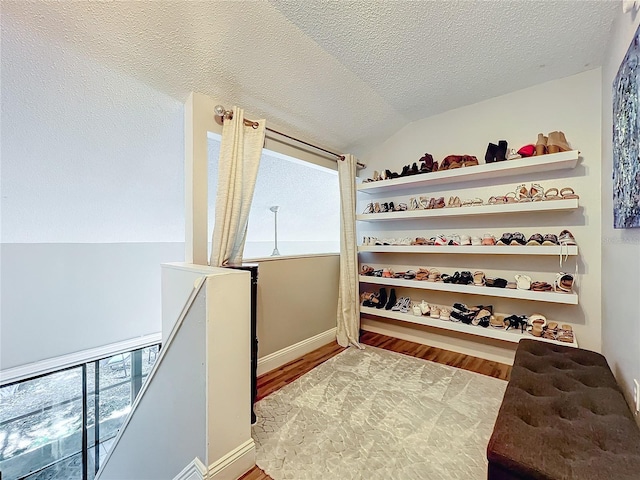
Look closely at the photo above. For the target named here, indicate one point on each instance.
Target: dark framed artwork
(626, 139)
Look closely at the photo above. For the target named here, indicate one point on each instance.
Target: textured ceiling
(344, 74)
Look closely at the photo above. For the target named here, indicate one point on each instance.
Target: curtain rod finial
(219, 110)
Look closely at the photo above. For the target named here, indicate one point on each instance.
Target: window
(309, 199)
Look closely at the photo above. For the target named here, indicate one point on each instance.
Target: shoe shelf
(522, 207)
(512, 335)
(549, 297)
(473, 250)
(543, 163)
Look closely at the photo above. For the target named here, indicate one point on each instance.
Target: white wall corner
(235, 463)
(281, 357)
(196, 470)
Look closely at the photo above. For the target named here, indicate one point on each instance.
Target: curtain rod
(220, 111)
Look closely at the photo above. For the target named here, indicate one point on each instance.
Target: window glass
(308, 219)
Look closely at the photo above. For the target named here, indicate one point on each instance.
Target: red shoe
(527, 150)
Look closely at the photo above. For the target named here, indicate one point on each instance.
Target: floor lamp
(275, 209)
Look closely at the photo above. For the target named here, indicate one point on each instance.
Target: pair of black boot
(496, 153)
(382, 300)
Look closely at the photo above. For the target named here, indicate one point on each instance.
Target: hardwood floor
(272, 381)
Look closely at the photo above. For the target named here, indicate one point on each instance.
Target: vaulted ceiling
(344, 74)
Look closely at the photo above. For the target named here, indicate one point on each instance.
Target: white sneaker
(465, 240)
(476, 241)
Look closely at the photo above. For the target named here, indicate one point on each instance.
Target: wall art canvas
(626, 139)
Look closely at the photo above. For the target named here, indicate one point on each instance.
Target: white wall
(59, 298)
(92, 161)
(620, 248)
(167, 426)
(572, 105)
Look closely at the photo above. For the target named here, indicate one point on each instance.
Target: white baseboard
(453, 342)
(196, 470)
(235, 463)
(22, 372)
(279, 358)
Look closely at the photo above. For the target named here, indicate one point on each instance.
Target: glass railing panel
(41, 426)
(41, 419)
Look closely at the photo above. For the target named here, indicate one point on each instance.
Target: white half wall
(62, 298)
(166, 428)
(620, 248)
(571, 104)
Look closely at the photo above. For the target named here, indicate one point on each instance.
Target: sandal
(434, 275)
(439, 203)
(552, 194)
(496, 282)
(477, 201)
(522, 193)
(478, 278)
(482, 318)
(515, 321)
(497, 200)
(536, 192)
(567, 193)
(369, 208)
(399, 304)
(488, 240)
(366, 270)
(496, 322)
(410, 275)
(413, 204)
(510, 197)
(523, 282)
(435, 312)
(541, 287)
(565, 333)
(416, 310)
(425, 308)
(445, 314)
(563, 283)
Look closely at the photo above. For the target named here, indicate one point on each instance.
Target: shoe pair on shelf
(496, 153)
(477, 315)
(458, 278)
(553, 143)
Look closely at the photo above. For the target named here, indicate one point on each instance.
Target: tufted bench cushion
(563, 417)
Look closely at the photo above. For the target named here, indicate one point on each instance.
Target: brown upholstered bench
(563, 417)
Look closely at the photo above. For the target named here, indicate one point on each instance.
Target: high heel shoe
(557, 143)
(541, 145)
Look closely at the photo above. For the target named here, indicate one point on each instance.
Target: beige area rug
(374, 414)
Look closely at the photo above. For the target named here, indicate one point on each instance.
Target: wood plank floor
(272, 381)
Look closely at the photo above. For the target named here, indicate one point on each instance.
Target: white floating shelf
(550, 297)
(525, 207)
(512, 335)
(543, 163)
(473, 250)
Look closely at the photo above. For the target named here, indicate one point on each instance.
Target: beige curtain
(240, 152)
(348, 324)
